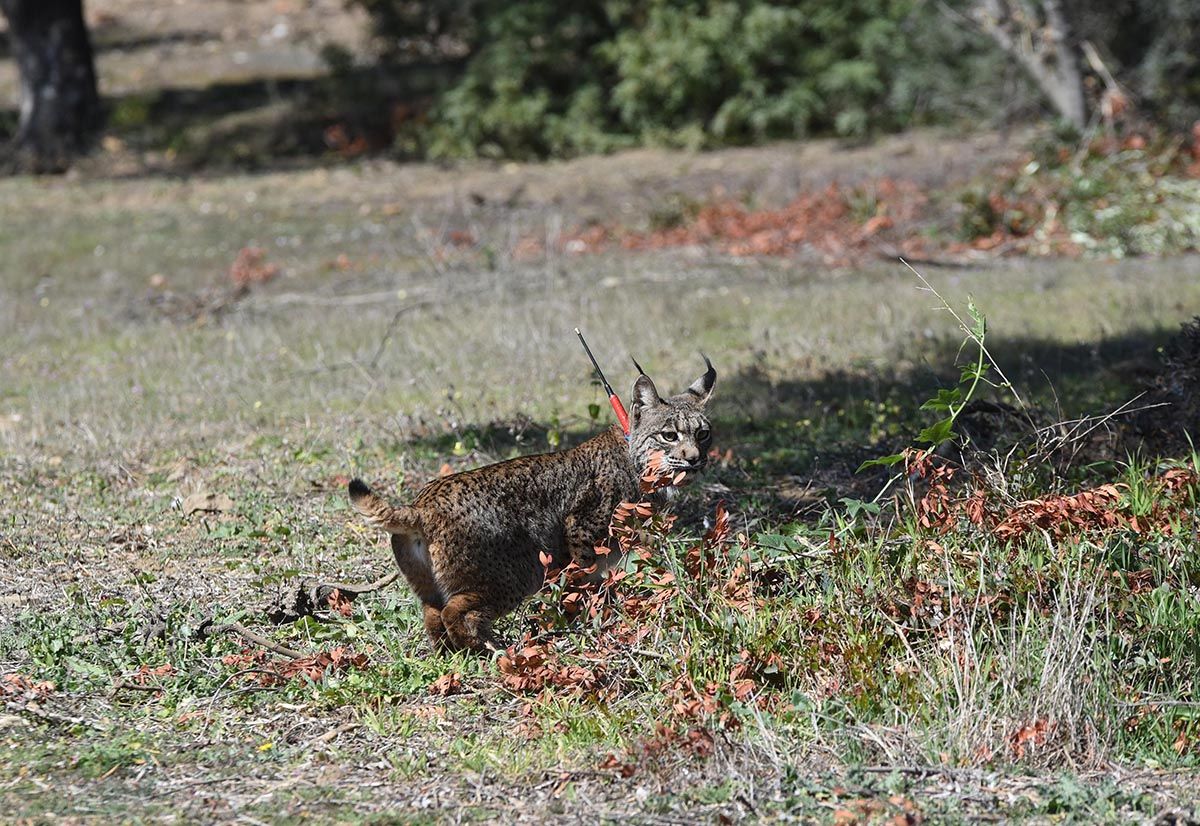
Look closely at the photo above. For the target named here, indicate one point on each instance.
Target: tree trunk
(1044, 44)
(60, 107)
(1063, 80)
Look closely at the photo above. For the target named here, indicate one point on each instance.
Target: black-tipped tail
(358, 489)
(378, 512)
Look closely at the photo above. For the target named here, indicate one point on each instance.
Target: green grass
(909, 660)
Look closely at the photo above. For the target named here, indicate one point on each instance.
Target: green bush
(1113, 200)
(537, 78)
(736, 72)
(533, 88)
(542, 78)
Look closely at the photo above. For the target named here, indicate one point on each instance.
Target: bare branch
(209, 628)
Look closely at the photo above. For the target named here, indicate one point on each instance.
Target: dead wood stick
(390, 330)
(944, 771)
(210, 628)
(125, 685)
(333, 733)
(310, 598)
(52, 717)
(348, 588)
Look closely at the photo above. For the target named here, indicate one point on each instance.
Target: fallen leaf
(340, 603)
(250, 267)
(612, 763)
(1034, 734)
(447, 684)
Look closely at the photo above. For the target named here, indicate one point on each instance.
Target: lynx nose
(690, 454)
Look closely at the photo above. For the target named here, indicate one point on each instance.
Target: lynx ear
(702, 387)
(644, 395)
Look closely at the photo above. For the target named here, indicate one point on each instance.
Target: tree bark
(1044, 44)
(60, 106)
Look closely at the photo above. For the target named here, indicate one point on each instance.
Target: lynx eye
(668, 435)
(702, 434)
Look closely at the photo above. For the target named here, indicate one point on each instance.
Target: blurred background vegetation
(539, 79)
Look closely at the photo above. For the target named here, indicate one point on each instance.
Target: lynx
(471, 545)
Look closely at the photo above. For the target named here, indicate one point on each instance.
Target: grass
(915, 673)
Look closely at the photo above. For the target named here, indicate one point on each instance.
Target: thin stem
(970, 390)
(962, 325)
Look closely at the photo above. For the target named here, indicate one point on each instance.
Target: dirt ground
(144, 46)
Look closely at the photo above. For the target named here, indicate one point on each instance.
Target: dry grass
(122, 393)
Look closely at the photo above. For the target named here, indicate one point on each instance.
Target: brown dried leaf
(612, 763)
(250, 267)
(447, 684)
(340, 603)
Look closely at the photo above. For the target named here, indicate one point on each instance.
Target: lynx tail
(378, 512)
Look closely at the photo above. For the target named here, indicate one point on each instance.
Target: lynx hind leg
(468, 618)
(412, 556)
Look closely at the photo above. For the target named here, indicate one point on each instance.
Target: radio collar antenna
(613, 398)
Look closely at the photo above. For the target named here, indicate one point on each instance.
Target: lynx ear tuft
(644, 395)
(702, 387)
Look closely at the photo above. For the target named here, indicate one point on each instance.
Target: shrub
(1114, 198)
(540, 78)
(533, 78)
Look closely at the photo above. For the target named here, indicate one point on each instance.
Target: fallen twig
(125, 685)
(320, 591)
(391, 329)
(312, 596)
(334, 732)
(317, 300)
(35, 710)
(918, 770)
(209, 628)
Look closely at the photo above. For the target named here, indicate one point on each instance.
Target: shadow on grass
(789, 445)
(119, 39)
(267, 123)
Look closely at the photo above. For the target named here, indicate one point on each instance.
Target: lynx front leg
(582, 536)
(468, 620)
(435, 629)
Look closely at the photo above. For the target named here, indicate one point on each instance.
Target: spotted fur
(470, 545)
